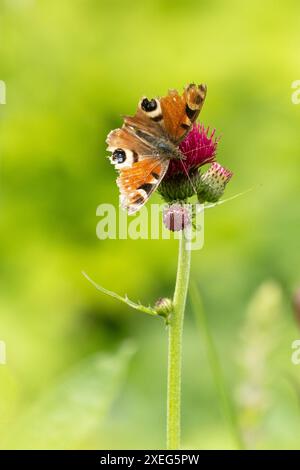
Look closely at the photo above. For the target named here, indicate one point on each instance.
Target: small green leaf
(136, 306)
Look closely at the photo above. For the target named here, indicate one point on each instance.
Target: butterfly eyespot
(119, 156)
(149, 105)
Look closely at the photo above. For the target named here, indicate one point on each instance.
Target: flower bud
(177, 217)
(164, 307)
(213, 182)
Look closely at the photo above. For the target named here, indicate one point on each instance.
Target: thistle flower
(213, 183)
(199, 147)
(182, 179)
(176, 217)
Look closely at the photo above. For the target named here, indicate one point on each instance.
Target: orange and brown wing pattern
(146, 121)
(140, 168)
(179, 112)
(126, 148)
(137, 183)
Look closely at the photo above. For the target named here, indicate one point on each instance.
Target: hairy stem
(175, 346)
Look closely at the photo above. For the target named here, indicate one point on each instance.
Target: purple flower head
(199, 147)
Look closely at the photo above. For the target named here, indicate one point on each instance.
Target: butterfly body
(143, 147)
(169, 150)
(162, 146)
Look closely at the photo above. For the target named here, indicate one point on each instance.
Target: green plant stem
(175, 346)
(225, 401)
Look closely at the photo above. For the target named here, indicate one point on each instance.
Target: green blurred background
(84, 371)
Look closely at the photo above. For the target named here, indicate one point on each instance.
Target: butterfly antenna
(188, 176)
(201, 147)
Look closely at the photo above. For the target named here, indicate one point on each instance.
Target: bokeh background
(84, 371)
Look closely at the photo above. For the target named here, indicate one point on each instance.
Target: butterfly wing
(179, 112)
(140, 168)
(170, 117)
